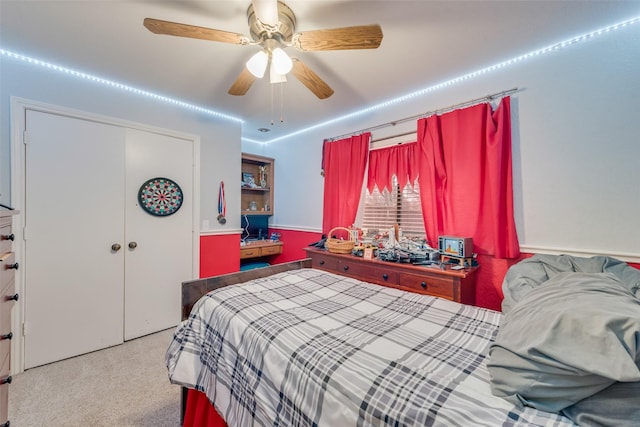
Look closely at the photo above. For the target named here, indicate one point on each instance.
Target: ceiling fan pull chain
(272, 121)
(281, 102)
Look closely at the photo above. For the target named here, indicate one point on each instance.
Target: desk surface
(261, 243)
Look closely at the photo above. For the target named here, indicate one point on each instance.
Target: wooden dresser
(455, 285)
(8, 297)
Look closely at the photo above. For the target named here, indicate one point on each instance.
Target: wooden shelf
(262, 195)
(256, 189)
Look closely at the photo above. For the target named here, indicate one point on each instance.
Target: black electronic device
(459, 247)
(255, 227)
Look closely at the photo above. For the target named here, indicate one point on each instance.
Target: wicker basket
(339, 246)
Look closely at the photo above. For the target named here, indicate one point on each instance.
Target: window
(382, 210)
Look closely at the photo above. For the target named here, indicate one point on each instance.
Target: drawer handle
(385, 276)
(13, 297)
(346, 267)
(11, 237)
(321, 262)
(6, 336)
(13, 266)
(424, 285)
(6, 380)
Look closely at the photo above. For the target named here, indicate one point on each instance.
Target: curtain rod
(427, 114)
(384, 138)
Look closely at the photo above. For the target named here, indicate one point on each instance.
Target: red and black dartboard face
(160, 196)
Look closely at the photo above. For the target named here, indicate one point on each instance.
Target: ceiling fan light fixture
(257, 64)
(275, 76)
(281, 61)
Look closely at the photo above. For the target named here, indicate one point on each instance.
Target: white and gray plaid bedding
(310, 348)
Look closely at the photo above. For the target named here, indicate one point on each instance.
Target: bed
(293, 346)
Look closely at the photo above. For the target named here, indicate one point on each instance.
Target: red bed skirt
(200, 412)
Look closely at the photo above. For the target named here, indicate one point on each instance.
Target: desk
(454, 285)
(260, 248)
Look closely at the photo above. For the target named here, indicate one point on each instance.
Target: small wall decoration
(160, 197)
(222, 204)
(248, 180)
(263, 175)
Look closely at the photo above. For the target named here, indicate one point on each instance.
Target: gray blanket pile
(569, 340)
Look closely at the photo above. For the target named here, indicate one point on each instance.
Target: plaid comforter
(310, 348)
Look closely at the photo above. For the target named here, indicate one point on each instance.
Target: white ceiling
(425, 42)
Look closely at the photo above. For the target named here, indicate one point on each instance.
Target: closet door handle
(13, 266)
(6, 380)
(11, 237)
(6, 336)
(115, 247)
(133, 245)
(13, 297)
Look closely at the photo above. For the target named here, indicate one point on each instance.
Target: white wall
(576, 147)
(219, 139)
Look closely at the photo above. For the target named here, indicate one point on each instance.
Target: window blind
(382, 210)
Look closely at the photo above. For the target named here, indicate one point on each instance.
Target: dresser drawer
(368, 272)
(4, 403)
(249, 253)
(4, 388)
(5, 238)
(425, 284)
(325, 263)
(7, 270)
(271, 250)
(5, 319)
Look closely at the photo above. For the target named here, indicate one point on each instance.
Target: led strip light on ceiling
(535, 53)
(394, 101)
(120, 86)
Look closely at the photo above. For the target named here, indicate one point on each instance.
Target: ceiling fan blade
(243, 83)
(158, 26)
(359, 37)
(266, 11)
(310, 79)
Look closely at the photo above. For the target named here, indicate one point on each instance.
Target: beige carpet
(121, 386)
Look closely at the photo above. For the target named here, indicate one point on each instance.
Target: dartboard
(160, 197)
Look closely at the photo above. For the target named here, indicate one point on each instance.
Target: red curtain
(466, 189)
(344, 164)
(398, 160)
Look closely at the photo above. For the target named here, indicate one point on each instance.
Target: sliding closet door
(159, 249)
(74, 214)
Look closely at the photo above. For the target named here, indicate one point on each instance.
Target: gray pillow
(532, 272)
(567, 339)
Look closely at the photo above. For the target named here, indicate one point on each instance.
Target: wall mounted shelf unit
(256, 185)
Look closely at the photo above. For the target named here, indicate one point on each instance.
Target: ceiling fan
(272, 26)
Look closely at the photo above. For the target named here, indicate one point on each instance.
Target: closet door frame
(19, 106)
